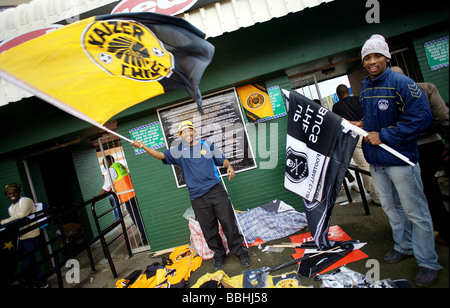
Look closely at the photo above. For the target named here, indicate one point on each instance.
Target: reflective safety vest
(122, 184)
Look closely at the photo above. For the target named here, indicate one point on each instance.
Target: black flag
(317, 263)
(318, 153)
(311, 138)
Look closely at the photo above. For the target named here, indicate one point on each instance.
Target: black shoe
(245, 260)
(218, 264)
(395, 256)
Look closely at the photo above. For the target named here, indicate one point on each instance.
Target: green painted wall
(163, 204)
(90, 181)
(10, 174)
(260, 52)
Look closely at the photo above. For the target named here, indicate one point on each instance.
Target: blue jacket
(394, 106)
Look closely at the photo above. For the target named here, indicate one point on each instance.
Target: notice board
(150, 134)
(437, 53)
(221, 124)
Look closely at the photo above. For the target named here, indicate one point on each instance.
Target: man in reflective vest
(122, 183)
(125, 192)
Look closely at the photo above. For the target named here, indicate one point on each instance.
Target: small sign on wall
(150, 134)
(437, 53)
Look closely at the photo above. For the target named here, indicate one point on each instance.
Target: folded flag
(339, 237)
(320, 261)
(100, 66)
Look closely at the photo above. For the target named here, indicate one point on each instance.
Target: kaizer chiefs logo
(127, 49)
(255, 100)
(296, 166)
(287, 283)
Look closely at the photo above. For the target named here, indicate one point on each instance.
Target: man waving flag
(100, 66)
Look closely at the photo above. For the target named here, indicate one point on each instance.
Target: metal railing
(66, 248)
(358, 173)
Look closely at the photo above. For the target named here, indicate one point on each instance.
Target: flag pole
(56, 102)
(114, 133)
(363, 133)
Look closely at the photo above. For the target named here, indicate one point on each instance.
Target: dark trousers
(31, 273)
(135, 214)
(430, 163)
(215, 206)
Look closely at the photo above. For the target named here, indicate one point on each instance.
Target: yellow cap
(186, 124)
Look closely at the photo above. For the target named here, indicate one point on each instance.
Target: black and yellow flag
(100, 66)
(318, 153)
(256, 102)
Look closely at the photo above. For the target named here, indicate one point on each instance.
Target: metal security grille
(307, 86)
(111, 146)
(403, 58)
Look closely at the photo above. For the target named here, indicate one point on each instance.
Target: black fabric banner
(317, 156)
(311, 138)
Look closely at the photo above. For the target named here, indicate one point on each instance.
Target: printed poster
(260, 103)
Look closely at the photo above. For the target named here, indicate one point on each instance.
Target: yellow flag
(100, 66)
(256, 102)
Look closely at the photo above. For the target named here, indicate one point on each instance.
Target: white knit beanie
(376, 44)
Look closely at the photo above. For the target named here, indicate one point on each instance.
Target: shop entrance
(61, 182)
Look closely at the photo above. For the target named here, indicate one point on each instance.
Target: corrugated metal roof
(41, 13)
(214, 20)
(230, 15)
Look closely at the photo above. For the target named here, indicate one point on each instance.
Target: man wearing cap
(395, 112)
(198, 160)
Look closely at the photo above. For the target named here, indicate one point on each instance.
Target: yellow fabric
(186, 124)
(159, 280)
(97, 68)
(235, 281)
(286, 280)
(123, 183)
(256, 102)
(183, 262)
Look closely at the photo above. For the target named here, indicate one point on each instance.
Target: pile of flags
(97, 67)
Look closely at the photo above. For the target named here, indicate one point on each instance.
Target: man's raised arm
(140, 145)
